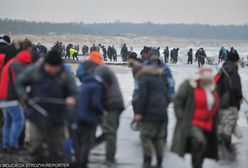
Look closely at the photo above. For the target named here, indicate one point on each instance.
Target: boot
(147, 162)
(159, 162)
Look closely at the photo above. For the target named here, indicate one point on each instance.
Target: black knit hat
(233, 57)
(6, 38)
(54, 58)
(133, 55)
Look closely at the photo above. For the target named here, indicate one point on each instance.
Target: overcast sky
(157, 11)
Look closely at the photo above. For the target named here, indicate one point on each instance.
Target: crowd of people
(110, 53)
(42, 108)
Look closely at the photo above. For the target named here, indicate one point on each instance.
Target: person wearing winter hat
(153, 56)
(96, 57)
(113, 101)
(47, 80)
(196, 105)
(7, 39)
(13, 116)
(233, 57)
(150, 110)
(4, 42)
(230, 93)
(53, 62)
(169, 83)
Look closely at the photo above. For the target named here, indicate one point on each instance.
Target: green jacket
(43, 87)
(184, 108)
(34, 73)
(72, 51)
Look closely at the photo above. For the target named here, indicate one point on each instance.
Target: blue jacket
(90, 105)
(113, 99)
(169, 80)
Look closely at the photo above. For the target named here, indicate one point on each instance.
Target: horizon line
(118, 21)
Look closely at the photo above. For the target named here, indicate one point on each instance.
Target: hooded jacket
(229, 86)
(90, 104)
(168, 78)
(10, 72)
(113, 99)
(151, 100)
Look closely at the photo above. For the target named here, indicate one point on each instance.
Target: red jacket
(201, 116)
(2, 58)
(9, 72)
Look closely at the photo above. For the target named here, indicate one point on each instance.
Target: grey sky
(157, 11)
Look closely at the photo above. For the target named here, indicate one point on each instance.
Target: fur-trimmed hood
(149, 70)
(139, 69)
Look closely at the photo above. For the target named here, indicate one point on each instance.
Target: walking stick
(33, 102)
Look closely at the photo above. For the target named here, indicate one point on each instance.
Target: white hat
(204, 73)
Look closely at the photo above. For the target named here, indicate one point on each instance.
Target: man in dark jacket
(42, 50)
(93, 48)
(124, 52)
(89, 111)
(113, 104)
(151, 110)
(166, 54)
(190, 56)
(169, 83)
(200, 56)
(104, 50)
(175, 55)
(110, 53)
(230, 94)
(13, 116)
(172, 55)
(167, 91)
(54, 89)
(4, 42)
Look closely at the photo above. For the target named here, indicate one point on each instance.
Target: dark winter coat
(3, 45)
(151, 101)
(166, 52)
(168, 78)
(190, 53)
(113, 100)
(90, 105)
(42, 50)
(200, 54)
(184, 109)
(124, 50)
(46, 86)
(229, 86)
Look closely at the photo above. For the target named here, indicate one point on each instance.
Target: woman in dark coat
(196, 104)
